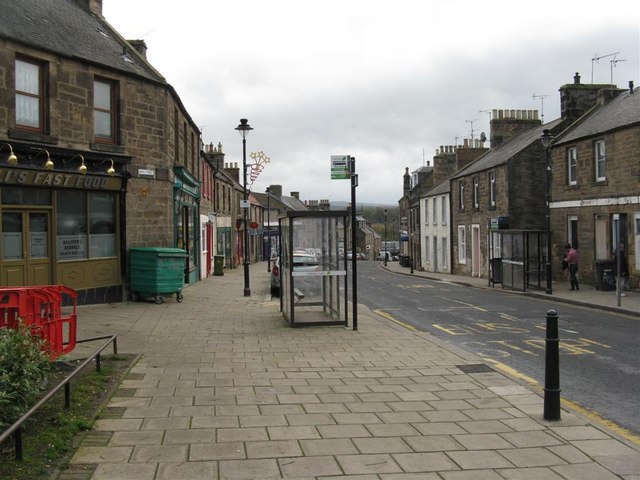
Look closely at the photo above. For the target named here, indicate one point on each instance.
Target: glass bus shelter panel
(313, 276)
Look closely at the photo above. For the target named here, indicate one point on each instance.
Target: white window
(572, 166)
(445, 253)
(461, 188)
(427, 250)
(104, 114)
(443, 204)
(435, 210)
(29, 95)
(600, 161)
(492, 189)
(476, 192)
(462, 245)
(426, 212)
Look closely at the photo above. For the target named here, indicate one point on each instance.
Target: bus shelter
(517, 259)
(313, 268)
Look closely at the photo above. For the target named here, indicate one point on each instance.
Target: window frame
(476, 192)
(443, 204)
(600, 159)
(112, 111)
(462, 245)
(40, 95)
(461, 194)
(492, 189)
(434, 208)
(572, 166)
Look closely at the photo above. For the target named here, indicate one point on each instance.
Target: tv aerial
(597, 57)
(614, 62)
(541, 97)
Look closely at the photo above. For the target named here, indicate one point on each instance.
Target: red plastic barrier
(40, 309)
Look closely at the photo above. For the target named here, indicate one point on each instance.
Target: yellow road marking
(590, 414)
(386, 315)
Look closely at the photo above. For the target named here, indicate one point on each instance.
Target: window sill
(32, 136)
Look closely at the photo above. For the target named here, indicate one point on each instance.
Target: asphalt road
(599, 361)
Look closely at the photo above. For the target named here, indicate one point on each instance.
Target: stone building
(596, 180)
(507, 182)
(97, 152)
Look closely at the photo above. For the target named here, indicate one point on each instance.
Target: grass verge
(52, 434)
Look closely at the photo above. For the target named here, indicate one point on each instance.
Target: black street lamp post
(546, 142)
(268, 230)
(385, 237)
(244, 128)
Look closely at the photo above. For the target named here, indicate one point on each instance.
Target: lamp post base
(247, 292)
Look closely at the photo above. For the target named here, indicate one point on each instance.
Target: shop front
(186, 191)
(61, 215)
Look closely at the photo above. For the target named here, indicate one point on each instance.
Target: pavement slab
(225, 389)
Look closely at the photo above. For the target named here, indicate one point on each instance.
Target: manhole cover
(476, 368)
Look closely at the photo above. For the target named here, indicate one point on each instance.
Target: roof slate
(68, 28)
(622, 111)
(508, 150)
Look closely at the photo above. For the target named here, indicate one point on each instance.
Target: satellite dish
(483, 137)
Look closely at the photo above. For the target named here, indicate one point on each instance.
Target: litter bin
(605, 275)
(218, 264)
(156, 272)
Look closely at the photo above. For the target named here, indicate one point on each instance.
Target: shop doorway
(26, 248)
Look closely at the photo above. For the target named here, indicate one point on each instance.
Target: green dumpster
(156, 272)
(218, 264)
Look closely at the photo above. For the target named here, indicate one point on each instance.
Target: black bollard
(552, 369)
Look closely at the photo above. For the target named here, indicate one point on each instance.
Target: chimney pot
(576, 79)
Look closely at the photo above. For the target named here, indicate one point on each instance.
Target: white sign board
(340, 167)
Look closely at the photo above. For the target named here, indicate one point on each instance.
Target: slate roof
(69, 29)
(443, 187)
(504, 152)
(623, 111)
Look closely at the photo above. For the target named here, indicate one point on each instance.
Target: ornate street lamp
(546, 143)
(244, 128)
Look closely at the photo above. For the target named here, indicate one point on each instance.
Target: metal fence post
(552, 369)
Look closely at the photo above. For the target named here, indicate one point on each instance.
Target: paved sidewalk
(224, 389)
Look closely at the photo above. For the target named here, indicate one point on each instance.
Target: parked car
(301, 261)
(381, 256)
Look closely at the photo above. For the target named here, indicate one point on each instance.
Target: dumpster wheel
(134, 296)
(179, 297)
(158, 299)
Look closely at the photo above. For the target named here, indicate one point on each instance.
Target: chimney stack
(140, 46)
(95, 6)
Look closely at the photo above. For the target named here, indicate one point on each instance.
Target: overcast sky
(387, 82)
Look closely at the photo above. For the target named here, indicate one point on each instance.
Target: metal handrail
(16, 429)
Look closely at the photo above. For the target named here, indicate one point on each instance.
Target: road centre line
(467, 304)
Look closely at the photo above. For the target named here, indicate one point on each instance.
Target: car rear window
(304, 260)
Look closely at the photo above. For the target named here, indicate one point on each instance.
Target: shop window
(104, 111)
(86, 225)
(30, 95)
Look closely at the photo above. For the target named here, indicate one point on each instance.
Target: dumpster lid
(159, 250)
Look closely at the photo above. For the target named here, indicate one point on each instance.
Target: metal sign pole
(354, 258)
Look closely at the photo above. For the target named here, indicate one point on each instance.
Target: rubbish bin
(218, 264)
(605, 275)
(156, 272)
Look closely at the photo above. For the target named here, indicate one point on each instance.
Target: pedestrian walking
(571, 257)
(624, 268)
